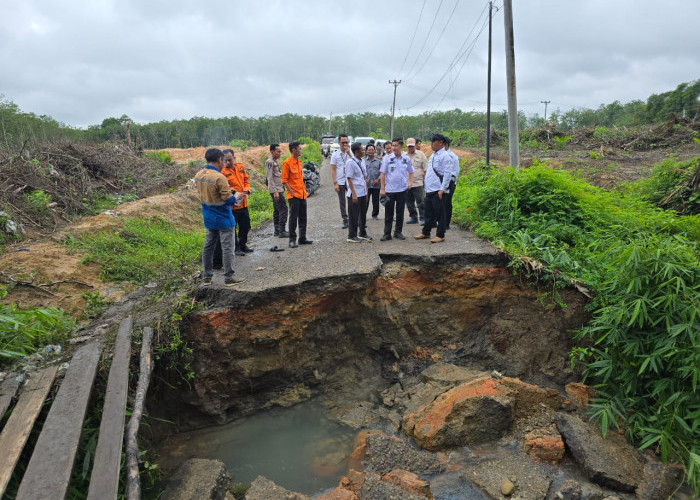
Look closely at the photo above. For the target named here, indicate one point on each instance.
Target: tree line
(17, 127)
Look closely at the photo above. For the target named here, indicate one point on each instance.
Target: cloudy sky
(81, 61)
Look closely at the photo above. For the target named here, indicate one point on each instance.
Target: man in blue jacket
(217, 198)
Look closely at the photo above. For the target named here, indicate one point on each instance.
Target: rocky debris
(659, 481)
(338, 493)
(569, 490)
(264, 489)
(377, 489)
(529, 480)
(610, 461)
(449, 375)
(507, 487)
(380, 453)
(544, 444)
(408, 481)
(198, 479)
(579, 393)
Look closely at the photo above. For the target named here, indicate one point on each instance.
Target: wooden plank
(8, 388)
(49, 470)
(16, 432)
(104, 480)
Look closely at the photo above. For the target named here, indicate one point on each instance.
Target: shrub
(306, 140)
(642, 264)
(312, 152)
(39, 200)
(673, 184)
(160, 156)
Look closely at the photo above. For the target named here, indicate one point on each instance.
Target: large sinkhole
(345, 343)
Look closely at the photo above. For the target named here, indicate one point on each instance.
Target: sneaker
(412, 220)
(247, 249)
(421, 236)
(375, 217)
(385, 237)
(293, 244)
(354, 240)
(345, 225)
(206, 280)
(305, 242)
(284, 234)
(365, 237)
(233, 281)
(437, 239)
(239, 253)
(399, 236)
(422, 222)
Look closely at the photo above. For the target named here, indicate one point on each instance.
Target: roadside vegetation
(641, 266)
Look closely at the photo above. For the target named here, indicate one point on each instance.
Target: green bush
(673, 184)
(39, 200)
(242, 144)
(306, 140)
(25, 330)
(160, 156)
(641, 262)
(312, 152)
(259, 207)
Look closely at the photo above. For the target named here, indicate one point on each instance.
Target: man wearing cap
(415, 195)
(338, 160)
(396, 177)
(437, 180)
(447, 197)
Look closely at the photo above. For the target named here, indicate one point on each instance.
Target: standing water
(295, 447)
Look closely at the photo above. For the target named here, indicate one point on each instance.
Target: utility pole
(488, 97)
(545, 108)
(330, 120)
(513, 137)
(393, 108)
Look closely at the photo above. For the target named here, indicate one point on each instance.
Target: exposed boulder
(610, 462)
(376, 489)
(408, 481)
(384, 453)
(530, 481)
(264, 489)
(544, 444)
(659, 481)
(198, 479)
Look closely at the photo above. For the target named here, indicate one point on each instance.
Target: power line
(455, 60)
(415, 30)
(426, 38)
(444, 28)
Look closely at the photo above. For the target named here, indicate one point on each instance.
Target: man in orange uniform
(239, 181)
(293, 181)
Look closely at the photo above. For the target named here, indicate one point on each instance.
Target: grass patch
(259, 207)
(642, 346)
(143, 250)
(23, 331)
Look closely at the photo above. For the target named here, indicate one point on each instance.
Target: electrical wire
(426, 39)
(410, 45)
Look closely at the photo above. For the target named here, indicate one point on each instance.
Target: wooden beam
(104, 480)
(16, 432)
(49, 470)
(8, 388)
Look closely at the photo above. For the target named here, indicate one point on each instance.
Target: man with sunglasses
(338, 160)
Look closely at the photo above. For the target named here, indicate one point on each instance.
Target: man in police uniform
(396, 177)
(338, 160)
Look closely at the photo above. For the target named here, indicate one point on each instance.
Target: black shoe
(375, 217)
(365, 237)
(277, 233)
(283, 234)
(354, 240)
(305, 242)
(412, 220)
(239, 253)
(345, 225)
(293, 244)
(385, 237)
(399, 236)
(247, 249)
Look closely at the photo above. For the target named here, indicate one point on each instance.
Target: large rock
(610, 461)
(198, 479)
(659, 481)
(408, 481)
(544, 444)
(384, 453)
(529, 479)
(264, 489)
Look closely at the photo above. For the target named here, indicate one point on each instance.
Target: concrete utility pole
(545, 108)
(513, 137)
(488, 96)
(393, 108)
(330, 120)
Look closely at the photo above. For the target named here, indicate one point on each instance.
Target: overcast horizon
(81, 63)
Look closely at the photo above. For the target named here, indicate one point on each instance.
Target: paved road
(331, 255)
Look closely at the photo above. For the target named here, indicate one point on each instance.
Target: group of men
(398, 181)
(224, 187)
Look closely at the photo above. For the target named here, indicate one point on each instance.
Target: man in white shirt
(437, 180)
(338, 160)
(357, 181)
(396, 177)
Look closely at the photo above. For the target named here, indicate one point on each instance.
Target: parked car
(363, 140)
(326, 142)
(335, 146)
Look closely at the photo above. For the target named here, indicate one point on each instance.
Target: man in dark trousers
(273, 174)
(239, 182)
(396, 177)
(293, 180)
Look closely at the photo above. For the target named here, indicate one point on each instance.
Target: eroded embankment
(255, 350)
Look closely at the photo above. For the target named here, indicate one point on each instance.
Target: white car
(363, 140)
